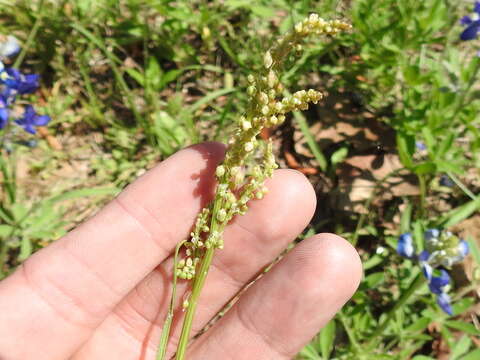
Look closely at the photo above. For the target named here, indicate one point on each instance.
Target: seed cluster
(248, 160)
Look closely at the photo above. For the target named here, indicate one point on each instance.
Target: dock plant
(248, 162)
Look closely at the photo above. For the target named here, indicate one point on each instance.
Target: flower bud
(220, 171)
(268, 60)
(246, 125)
(271, 79)
(221, 215)
(263, 98)
(248, 146)
(299, 28)
(274, 120)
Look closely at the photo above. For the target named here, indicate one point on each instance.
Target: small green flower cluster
(248, 160)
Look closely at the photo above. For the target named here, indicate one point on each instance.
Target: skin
(102, 291)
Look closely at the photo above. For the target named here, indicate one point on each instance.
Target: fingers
(67, 289)
(251, 242)
(284, 310)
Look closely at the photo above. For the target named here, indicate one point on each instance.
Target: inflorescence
(472, 24)
(442, 249)
(14, 83)
(248, 160)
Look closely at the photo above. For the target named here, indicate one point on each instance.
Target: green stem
(31, 36)
(162, 348)
(192, 303)
(198, 283)
(414, 286)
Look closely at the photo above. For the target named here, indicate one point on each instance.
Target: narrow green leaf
(405, 219)
(339, 155)
(465, 327)
(425, 168)
(473, 355)
(418, 325)
(406, 148)
(461, 347)
(460, 213)
(474, 250)
(209, 97)
(162, 347)
(5, 230)
(312, 144)
(26, 248)
(81, 193)
(327, 339)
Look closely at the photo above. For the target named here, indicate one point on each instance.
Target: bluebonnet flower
(22, 84)
(442, 249)
(472, 23)
(420, 145)
(12, 84)
(405, 245)
(4, 112)
(426, 268)
(437, 283)
(443, 300)
(9, 46)
(31, 119)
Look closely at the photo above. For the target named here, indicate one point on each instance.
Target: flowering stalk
(248, 161)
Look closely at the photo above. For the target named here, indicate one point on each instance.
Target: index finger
(70, 286)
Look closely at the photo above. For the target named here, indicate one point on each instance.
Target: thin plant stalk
(162, 348)
(31, 36)
(198, 284)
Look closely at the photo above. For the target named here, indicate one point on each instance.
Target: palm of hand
(103, 290)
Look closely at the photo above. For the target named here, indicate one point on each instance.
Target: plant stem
(162, 348)
(414, 286)
(31, 36)
(197, 288)
(198, 283)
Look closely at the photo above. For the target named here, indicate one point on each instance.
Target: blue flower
(437, 283)
(420, 145)
(22, 84)
(472, 23)
(463, 248)
(4, 113)
(9, 47)
(443, 300)
(405, 245)
(426, 267)
(431, 234)
(31, 119)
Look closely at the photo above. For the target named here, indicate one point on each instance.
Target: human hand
(102, 291)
